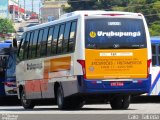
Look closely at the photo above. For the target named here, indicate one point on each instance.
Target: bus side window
(21, 47)
(66, 37)
(30, 45)
(26, 46)
(60, 38)
(72, 36)
(43, 42)
(50, 38)
(38, 43)
(34, 44)
(154, 57)
(54, 41)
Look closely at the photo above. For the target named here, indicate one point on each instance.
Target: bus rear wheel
(27, 104)
(60, 99)
(69, 103)
(120, 102)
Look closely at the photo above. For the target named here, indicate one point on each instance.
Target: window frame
(46, 41)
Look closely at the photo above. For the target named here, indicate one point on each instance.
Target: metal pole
(59, 11)
(13, 11)
(8, 10)
(39, 13)
(32, 6)
(24, 7)
(18, 9)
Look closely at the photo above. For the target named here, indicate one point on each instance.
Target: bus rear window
(112, 33)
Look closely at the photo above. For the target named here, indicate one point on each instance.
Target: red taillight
(82, 62)
(112, 14)
(148, 66)
(9, 84)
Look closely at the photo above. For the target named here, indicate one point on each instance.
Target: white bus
(84, 54)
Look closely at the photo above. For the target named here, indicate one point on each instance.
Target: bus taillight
(10, 84)
(148, 66)
(112, 14)
(82, 62)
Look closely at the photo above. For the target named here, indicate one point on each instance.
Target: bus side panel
(47, 89)
(70, 87)
(32, 89)
(155, 83)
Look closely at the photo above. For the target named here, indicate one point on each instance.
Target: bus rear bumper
(135, 86)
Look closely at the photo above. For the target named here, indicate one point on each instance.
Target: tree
(80, 5)
(149, 8)
(6, 26)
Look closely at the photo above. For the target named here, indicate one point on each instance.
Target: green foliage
(155, 28)
(149, 8)
(6, 26)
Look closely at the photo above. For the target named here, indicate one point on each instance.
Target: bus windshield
(115, 33)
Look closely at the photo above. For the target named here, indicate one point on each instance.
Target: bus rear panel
(117, 56)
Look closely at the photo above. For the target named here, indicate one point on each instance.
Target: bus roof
(155, 39)
(82, 12)
(96, 12)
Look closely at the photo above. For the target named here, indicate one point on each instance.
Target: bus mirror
(14, 43)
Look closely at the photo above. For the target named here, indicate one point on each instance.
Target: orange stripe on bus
(59, 64)
(46, 69)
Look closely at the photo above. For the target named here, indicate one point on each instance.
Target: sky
(29, 5)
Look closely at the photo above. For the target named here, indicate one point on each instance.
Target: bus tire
(69, 103)
(60, 99)
(120, 102)
(27, 104)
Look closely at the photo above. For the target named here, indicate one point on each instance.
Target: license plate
(117, 84)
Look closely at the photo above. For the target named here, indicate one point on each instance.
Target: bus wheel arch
(27, 104)
(67, 103)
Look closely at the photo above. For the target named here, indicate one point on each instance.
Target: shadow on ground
(146, 99)
(13, 101)
(9, 101)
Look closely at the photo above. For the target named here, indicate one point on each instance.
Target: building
(15, 9)
(11, 9)
(52, 9)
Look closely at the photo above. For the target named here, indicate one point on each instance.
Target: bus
(85, 55)
(155, 82)
(7, 70)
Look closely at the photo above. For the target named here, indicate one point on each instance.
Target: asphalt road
(136, 108)
(88, 112)
(142, 108)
